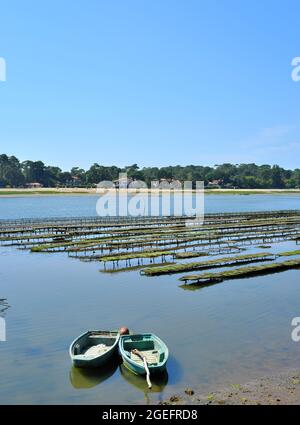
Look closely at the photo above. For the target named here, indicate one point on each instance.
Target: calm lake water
(217, 335)
(85, 205)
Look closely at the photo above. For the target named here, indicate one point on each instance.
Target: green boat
(135, 349)
(94, 348)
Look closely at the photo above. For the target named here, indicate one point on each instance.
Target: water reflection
(89, 378)
(3, 306)
(197, 286)
(158, 381)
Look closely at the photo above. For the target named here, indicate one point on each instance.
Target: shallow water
(225, 333)
(85, 205)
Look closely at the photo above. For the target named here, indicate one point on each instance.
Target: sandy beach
(8, 192)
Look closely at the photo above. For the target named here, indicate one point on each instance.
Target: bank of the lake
(277, 389)
(92, 191)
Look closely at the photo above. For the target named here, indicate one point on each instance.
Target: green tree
(276, 177)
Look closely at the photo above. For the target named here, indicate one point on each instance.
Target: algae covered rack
(157, 246)
(242, 272)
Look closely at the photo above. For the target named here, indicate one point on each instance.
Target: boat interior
(94, 344)
(146, 346)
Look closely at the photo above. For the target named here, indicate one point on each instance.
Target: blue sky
(154, 82)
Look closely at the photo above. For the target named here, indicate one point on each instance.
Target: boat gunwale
(87, 360)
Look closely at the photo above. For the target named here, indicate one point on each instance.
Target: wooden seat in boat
(152, 356)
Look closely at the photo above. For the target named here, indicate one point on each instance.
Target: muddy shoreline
(278, 389)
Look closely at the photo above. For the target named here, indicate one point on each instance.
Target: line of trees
(14, 173)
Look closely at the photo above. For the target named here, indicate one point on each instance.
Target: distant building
(155, 184)
(34, 185)
(75, 181)
(170, 184)
(122, 182)
(127, 182)
(175, 184)
(215, 183)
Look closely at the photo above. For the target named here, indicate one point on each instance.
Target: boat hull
(140, 370)
(94, 363)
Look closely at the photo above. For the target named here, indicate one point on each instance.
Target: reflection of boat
(94, 348)
(89, 378)
(135, 349)
(158, 381)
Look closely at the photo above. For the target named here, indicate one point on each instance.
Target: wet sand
(279, 389)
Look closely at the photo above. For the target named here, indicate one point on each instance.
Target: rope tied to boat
(143, 358)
